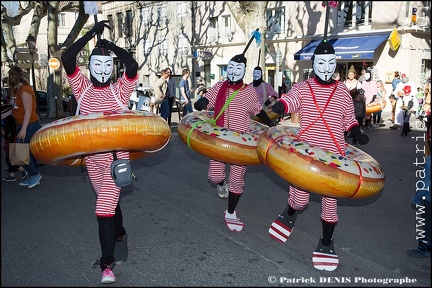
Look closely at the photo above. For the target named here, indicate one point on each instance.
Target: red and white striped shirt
(102, 99)
(238, 113)
(326, 112)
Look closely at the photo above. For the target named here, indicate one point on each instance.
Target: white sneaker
(222, 190)
(232, 222)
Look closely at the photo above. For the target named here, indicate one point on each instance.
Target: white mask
(367, 76)
(324, 66)
(235, 71)
(101, 67)
(257, 74)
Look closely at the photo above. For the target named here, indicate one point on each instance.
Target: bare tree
(250, 15)
(41, 9)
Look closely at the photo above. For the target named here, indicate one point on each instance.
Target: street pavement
(177, 234)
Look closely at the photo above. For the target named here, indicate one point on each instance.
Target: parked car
(41, 97)
(42, 101)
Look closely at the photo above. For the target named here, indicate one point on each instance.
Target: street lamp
(31, 44)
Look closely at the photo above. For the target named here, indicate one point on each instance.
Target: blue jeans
(165, 109)
(187, 108)
(32, 128)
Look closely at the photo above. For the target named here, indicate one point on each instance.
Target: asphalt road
(177, 235)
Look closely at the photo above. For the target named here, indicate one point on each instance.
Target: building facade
(204, 35)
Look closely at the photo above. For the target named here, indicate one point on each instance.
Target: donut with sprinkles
(355, 175)
(201, 135)
(68, 140)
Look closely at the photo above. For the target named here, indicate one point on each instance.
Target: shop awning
(346, 48)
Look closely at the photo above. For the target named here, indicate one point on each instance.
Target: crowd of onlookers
(405, 98)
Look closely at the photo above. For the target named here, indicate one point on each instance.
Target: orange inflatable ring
(357, 175)
(375, 107)
(66, 141)
(220, 143)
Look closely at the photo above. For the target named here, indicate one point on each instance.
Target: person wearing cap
(352, 83)
(399, 92)
(264, 90)
(405, 81)
(405, 106)
(98, 94)
(326, 113)
(236, 116)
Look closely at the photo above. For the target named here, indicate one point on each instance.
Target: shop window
(119, 24)
(111, 24)
(145, 16)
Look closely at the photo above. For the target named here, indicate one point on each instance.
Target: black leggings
(109, 229)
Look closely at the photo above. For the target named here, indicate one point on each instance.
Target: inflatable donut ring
(220, 143)
(272, 115)
(67, 140)
(357, 175)
(375, 107)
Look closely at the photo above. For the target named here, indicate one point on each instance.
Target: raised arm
(69, 56)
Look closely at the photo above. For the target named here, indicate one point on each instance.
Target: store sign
(204, 55)
(394, 40)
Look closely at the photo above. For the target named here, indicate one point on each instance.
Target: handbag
(121, 171)
(19, 153)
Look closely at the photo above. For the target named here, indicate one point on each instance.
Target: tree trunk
(55, 83)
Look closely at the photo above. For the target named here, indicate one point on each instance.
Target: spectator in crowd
(185, 92)
(427, 97)
(394, 82)
(26, 118)
(359, 110)
(162, 94)
(405, 81)
(393, 99)
(380, 98)
(336, 76)
(172, 93)
(201, 92)
(352, 83)
(405, 106)
(362, 75)
(10, 132)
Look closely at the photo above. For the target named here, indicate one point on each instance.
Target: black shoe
(325, 257)
(394, 127)
(403, 134)
(422, 251)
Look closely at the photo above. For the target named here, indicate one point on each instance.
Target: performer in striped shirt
(98, 94)
(326, 112)
(236, 116)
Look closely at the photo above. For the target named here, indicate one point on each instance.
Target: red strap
(321, 116)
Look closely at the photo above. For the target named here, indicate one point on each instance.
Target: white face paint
(324, 65)
(101, 67)
(257, 74)
(367, 76)
(235, 71)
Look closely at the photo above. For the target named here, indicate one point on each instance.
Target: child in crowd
(10, 130)
(359, 110)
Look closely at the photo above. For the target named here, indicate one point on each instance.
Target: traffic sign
(54, 63)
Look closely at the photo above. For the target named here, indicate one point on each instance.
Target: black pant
(171, 101)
